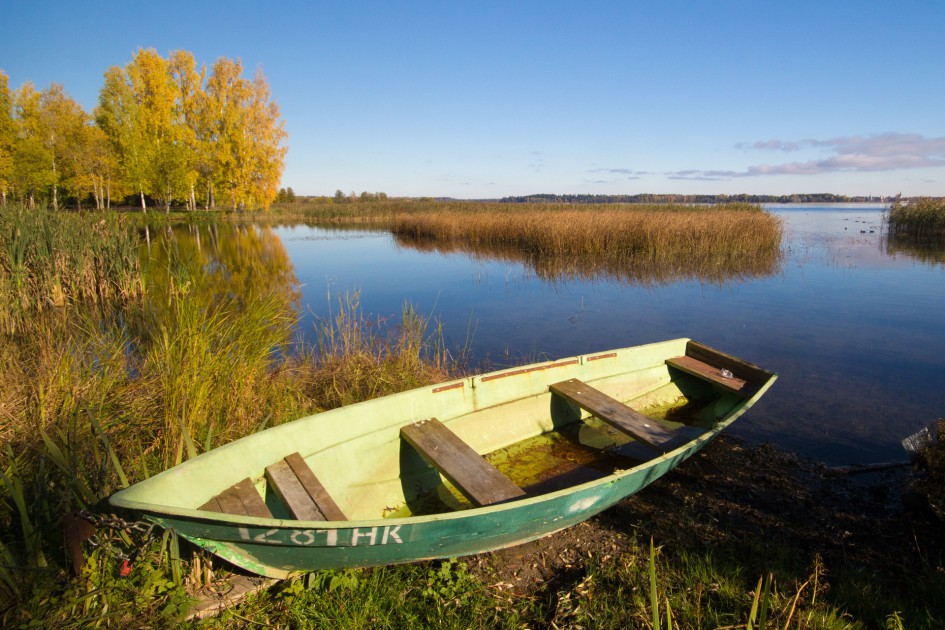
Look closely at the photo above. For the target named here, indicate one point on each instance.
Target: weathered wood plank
(728, 380)
(739, 367)
(253, 503)
(214, 506)
(225, 594)
(290, 490)
(315, 489)
(477, 479)
(240, 499)
(624, 418)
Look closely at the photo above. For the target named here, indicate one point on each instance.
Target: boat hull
(490, 411)
(277, 549)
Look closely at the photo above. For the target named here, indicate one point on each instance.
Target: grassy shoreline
(109, 387)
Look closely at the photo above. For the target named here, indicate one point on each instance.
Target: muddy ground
(755, 506)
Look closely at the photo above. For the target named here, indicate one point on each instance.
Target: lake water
(852, 324)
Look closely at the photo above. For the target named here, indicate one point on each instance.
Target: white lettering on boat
(309, 537)
(331, 538)
(391, 533)
(356, 534)
(265, 537)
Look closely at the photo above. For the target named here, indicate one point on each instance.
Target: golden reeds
(51, 259)
(651, 244)
(918, 219)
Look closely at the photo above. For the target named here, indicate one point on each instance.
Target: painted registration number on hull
(355, 537)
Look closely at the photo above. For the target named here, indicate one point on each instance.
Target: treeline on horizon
(678, 198)
(288, 196)
(165, 131)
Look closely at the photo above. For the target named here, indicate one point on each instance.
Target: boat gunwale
(158, 511)
(169, 512)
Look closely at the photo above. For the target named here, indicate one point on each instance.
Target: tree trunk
(96, 192)
(55, 191)
(144, 207)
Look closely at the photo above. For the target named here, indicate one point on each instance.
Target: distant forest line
(289, 196)
(673, 198)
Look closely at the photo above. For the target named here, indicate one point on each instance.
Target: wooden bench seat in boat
(624, 418)
(293, 482)
(241, 499)
(722, 370)
(301, 491)
(467, 470)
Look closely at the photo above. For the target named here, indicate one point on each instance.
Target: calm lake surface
(852, 323)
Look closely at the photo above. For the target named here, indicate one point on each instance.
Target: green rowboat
(459, 468)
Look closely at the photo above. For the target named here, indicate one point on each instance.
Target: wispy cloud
(624, 173)
(538, 161)
(881, 152)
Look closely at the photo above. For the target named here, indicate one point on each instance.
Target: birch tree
(64, 127)
(189, 118)
(247, 137)
(7, 137)
(33, 174)
(118, 115)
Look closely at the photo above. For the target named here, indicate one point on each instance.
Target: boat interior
(590, 434)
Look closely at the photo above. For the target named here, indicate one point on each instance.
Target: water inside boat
(567, 456)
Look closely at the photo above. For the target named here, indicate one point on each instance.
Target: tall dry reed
(918, 219)
(52, 259)
(642, 244)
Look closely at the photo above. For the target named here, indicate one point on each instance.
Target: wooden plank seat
(241, 499)
(297, 486)
(467, 470)
(725, 380)
(623, 418)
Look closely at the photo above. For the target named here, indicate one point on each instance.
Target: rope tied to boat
(725, 373)
(118, 525)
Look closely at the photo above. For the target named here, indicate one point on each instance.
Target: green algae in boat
(463, 467)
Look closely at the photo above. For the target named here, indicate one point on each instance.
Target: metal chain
(117, 524)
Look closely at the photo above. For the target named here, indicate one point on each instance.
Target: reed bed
(638, 243)
(918, 219)
(52, 259)
(650, 245)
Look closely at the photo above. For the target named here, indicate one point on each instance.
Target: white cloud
(880, 152)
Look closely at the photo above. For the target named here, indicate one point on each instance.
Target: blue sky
(487, 99)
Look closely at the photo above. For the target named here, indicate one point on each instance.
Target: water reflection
(717, 268)
(221, 262)
(932, 252)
